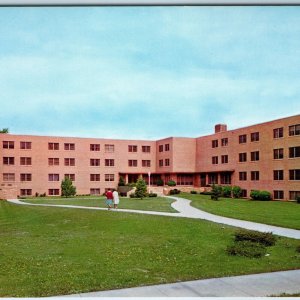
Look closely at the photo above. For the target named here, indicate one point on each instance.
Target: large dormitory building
(262, 157)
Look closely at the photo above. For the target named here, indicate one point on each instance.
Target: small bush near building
(247, 248)
(260, 195)
(171, 183)
(159, 182)
(216, 192)
(264, 238)
(226, 191)
(174, 192)
(193, 192)
(236, 192)
(152, 195)
(298, 199)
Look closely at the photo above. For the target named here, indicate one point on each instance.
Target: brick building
(264, 156)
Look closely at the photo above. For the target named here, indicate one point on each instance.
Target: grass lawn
(153, 204)
(47, 251)
(278, 213)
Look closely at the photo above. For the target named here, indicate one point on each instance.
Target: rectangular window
(109, 177)
(278, 153)
(53, 146)
(69, 146)
(146, 149)
(94, 147)
(132, 163)
(94, 177)
(53, 192)
(8, 144)
(278, 133)
(212, 178)
(53, 161)
(225, 178)
(295, 174)
(254, 136)
(161, 162)
(214, 160)
(242, 157)
(146, 163)
(69, 161)
(255, 156)
(9, 161)
(70, 176)
(244, 193)
(214, 143)
(224, 159)
(53, 177)
(294, 130)
(254, 175)
(294, 152)
(25, 192)
(278, 174)
(25, 161)
(109, 148)
(185, 179)
(25, 145)
(95, 191)
(294, 195)
(243, 176)
(25, 177)
(161, 148)
(224, 142)
(94, 162)
(132, 148)
(243, 139)
(8, 176)
(109, 162)
(278, 195)
(167, 147)
(167, 162)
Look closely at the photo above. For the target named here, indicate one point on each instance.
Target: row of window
(277, 175)
(56, 192)
(162, 147)
(161, 162)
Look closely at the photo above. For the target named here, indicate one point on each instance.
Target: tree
(216, 192)
(4, 130)
(67, 188)
(141, 188)
(121, 181)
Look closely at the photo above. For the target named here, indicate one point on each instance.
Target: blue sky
(146, 72)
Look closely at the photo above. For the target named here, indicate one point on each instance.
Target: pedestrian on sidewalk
(116, 198)
(109, 199)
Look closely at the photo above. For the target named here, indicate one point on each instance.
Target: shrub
(174, 192)
(121, 181)
(171, 183)
(260, 195)
(216, 192)
(236, 192)
(247, 248)
(193, 192)
(226, 191)
(36, 194)
(159, 182)
(152, 195)
(141, 188)
(265, 238)
(298, 199)
(67, 188)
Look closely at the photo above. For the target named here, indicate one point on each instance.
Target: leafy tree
(141, 188)
(216, 192)
(121, 181)
(67, 188)
(4, 130)
(226, 191)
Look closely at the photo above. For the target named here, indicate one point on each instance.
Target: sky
(147, 72)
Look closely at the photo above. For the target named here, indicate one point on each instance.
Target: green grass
(48, 251)
(278, 213)
(153, 204)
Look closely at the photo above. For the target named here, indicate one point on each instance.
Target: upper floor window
(53, 161)
(8, 160)
(53, 177)
(25, 177)
(109, 148)
(224, 142)
(161, 148)
(295, 174)
(294, 152)
(255, 156)
(8, 176)
(146, 148)
(94, 177)
(70, 176)
(132, 148)
(53, 146)
(243, 139)
(132, 163)
(8, 144)
(69, 146)
(167, 147)
(214, 143)
(215, 160)
(95, 162)
(278, 153)
(109, 177)
(242, 176)
(224, 159)
(146, 163)
(167, 162)
(109, 162)
(294, 130)
(94, 147)
(25, 161)
(25, 145)
(242, 157)
(278, 174)
(278, 133)
(254, 136)
(69, 161)
(255, 175)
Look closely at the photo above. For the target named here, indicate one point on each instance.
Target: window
(278, 133)
(94, 162)
(224, 142)
(109, 148)
(94, 147)
(294, 152)
(254, 175)
(167, 147)
(161, 148)
(242, 157)
(294, 195)
(278, 195)
(94, 177)
(25, 145)
(185, 179)
(53, 192)
(8, 161)
(25, 192)
(255, 156)
(244, 193)
(53, 161)
(69, 161)
(224, 159)
(254, 136)
(53, 146)
(69, 146)
(243, 139)
(70, 176)
(161, 162)
(243, 176)
(278, 153)
(8, 176)
(295, 174)
(95, 191)
(167, 162)
(109, 162)
(214, 160)
(25, 161)
(146, 149)
(146, 163)
(278, 174)
(132, 148)
(53, 177)
(132, 163)
(212, 178)
(109, 177)
(225, 178)
(8, 145)
(214, 143)
(294, 130)
(25, 177)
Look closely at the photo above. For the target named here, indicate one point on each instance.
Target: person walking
(116, 198)
(109, 199)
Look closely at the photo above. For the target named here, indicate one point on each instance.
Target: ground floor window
(213, 178)
(185, 179)
(294, 195)
(26, 192)
(53, 192)
(244, 193)
(226, 178)
(95, 191)
(278, 194)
